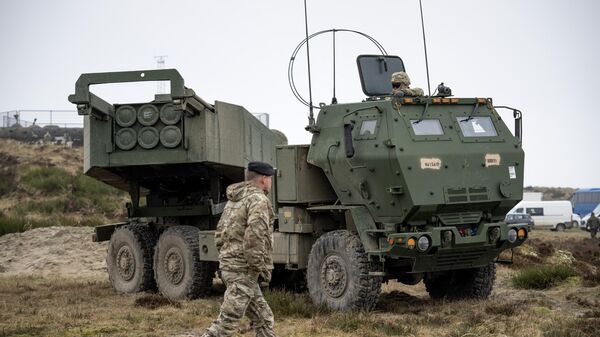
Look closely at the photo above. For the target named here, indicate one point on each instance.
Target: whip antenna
(311, 118)
(424, 47)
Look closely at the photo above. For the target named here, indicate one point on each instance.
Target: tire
(338, 273)
(474, 283)
(560, 227)
(178, 271)
(129, 259)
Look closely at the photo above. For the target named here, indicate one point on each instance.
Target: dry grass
(35, 306)
(44, 186)
(51, 306)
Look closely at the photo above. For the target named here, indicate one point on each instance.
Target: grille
(456, 195)
(453, 219)
(460, 259)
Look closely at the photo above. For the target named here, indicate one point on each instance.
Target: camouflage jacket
(406, 91)
(244, 236)
(593, 222)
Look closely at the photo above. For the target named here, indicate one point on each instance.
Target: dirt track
(53, 251)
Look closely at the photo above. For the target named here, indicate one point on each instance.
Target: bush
(19, 224)
(44, 206)
(48, 180)
(542, 277)
(94, 196)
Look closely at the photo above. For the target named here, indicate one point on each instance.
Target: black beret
(262, 168)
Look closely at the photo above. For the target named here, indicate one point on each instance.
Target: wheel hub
(125, 263)
(174, 267)
(334, 277)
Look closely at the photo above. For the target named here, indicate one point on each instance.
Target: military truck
(391, 188)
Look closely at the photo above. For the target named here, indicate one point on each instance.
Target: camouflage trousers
(243, 296)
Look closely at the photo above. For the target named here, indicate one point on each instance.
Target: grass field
(569, 307)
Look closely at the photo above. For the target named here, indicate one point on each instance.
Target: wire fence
(41, 118)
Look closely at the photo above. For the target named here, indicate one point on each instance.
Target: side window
(368, 128)
(535, 211)
(426, 127)
(519, 210)
(477, 126)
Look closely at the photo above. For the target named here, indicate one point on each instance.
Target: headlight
(447, 238)
(423, 243)
(512, 235)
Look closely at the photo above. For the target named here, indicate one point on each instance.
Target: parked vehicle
(558, 215)
(583, 223)
(520, 219)
(584, 200)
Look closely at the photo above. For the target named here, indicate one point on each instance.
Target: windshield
(476, 126)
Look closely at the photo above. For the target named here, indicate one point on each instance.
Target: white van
(558, 215)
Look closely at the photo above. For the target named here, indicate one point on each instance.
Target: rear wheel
(560, 227)
(474, 283)
(178, 270)
(129, 259)
(338, 273)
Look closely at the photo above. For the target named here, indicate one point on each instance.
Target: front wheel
(338, 273)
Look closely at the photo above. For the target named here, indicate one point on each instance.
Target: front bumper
(460, 252)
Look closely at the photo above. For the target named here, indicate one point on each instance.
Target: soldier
(594, 223)
(401, 85)
(244, 241)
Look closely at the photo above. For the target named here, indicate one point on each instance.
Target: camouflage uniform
(594, 224)
(244, 239)
(403, 80)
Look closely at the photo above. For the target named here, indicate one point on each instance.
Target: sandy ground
(53, 251)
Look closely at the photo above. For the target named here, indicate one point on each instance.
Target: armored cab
(420, 187)
(175, 156)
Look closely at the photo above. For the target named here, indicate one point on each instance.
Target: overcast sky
(538, 56)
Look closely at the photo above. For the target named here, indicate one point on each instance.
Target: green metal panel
(292, 249)
(287, 189)
(294, 220)
(297, 180)
(208, 249)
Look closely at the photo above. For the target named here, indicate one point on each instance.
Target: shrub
(44, 206)
(48, 180)
(542, 277)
